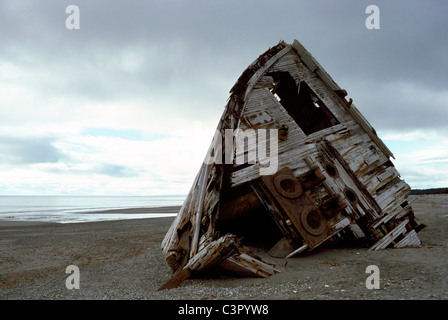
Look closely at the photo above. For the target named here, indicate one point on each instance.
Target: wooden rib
(199, 208)
(411, 239)
(245, 265)
(391, 236)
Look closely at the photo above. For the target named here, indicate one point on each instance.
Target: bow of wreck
(325, 175)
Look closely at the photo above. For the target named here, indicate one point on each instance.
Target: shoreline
(164, 209)
(168, 210)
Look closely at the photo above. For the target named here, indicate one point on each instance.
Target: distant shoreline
(165, 209)
(429, 191)
(168, 210)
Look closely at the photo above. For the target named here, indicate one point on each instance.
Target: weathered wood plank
(253, 80)
(297, 251)
(411, 239)
(245, 265)
(388, 238)
(211, 255)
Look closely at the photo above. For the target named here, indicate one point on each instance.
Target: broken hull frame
(335, 176)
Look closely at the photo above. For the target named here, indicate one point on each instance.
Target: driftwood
(333, 178)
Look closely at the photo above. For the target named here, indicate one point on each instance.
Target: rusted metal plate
(305, 215)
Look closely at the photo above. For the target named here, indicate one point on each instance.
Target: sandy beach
(122, 260)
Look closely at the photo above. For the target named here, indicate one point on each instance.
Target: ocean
(74, 209)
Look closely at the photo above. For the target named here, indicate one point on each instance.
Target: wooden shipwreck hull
(331, 178)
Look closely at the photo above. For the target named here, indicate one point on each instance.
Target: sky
(128, 103)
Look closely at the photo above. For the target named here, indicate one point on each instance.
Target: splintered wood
(333, 177)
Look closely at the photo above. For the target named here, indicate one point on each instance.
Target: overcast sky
(128, 103)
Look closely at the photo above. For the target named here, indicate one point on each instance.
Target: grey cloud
(187, 45)
(108, 169)
(29, 151)
(115, 171)
(401, 106)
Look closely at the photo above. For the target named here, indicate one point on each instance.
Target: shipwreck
(324, 175)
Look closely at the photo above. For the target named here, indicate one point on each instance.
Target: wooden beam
(199, 208)
(298, 250)
(245, 265)
(388, 238)
(211, 255)
(259, 73)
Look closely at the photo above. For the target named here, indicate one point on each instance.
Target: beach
(122, 260)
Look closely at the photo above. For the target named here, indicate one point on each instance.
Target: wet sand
(168, 209)
(122, 260)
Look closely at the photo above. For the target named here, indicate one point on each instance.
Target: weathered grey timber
(335, 178)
